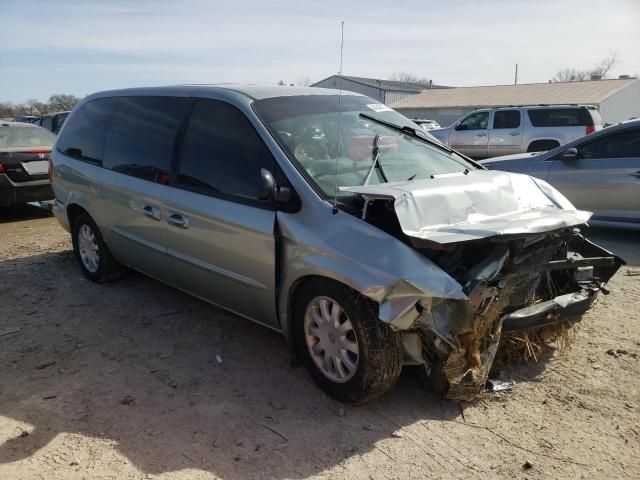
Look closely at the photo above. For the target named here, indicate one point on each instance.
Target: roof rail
(544, 105)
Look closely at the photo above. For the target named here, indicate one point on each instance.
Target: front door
(605, 176)
(505, 136)
(471, 135)
(220, 237)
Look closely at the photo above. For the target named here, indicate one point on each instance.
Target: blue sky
(79, 47)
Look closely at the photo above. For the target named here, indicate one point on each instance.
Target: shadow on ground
(174, 382)
(27, 211)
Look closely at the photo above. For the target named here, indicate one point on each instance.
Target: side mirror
(458, 126)
(570, 154)
(270, 191)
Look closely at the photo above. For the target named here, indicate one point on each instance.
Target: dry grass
(522, 347)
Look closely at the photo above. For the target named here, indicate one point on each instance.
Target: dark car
(599, 173)
(52, 122)
(24, 163)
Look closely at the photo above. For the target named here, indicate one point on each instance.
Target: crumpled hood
(481, 204)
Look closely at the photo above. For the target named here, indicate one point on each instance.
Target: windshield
(338, 150)
(25, 137)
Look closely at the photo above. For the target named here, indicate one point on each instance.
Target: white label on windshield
(379, 107)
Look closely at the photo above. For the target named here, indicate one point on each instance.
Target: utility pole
(516, 79)
(341, 47)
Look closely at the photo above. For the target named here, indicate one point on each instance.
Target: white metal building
(618, 100)
(385, 91)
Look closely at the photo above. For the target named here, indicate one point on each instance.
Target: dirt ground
(134, 379)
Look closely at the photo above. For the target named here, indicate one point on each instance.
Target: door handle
(481, 134)
(514, 134)
(152, 212)
(178, 220)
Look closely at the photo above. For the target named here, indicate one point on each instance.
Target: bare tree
(571, 75)
(410, 78)
(34, 107)
(605, 65)
(304, 82)
(600, 71)
(6, 110)
(61, 102)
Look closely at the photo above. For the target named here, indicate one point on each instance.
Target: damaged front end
(522, 284)
(510, 242)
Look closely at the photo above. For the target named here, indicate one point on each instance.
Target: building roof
(392, 85)
(590, 92)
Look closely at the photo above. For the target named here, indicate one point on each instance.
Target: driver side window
(476, 121)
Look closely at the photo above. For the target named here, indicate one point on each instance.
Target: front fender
(361, 256)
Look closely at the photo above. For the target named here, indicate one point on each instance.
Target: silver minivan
(492, 132)
(328, 217)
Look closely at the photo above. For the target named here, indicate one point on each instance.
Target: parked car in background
(24, 119)
(427, 124)
(52, 121)
(491, 132)
(599, 173)
(24, 162)
(326, 216)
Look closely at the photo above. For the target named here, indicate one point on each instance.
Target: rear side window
(142, 136)
(222, 152)
(560, 117)
(618, 145)
(506, 119)
(83, 137)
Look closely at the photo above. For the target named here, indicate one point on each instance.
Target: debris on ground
(128, 400)
(498, 385)
(278, 405)
(527, 465)
(42, 366)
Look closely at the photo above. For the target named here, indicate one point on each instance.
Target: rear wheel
(351, 355)
(542, 145)
(94, 257)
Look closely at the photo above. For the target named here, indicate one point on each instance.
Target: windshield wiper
(376, 155)
(407, 130)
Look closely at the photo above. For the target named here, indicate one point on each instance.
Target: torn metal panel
(480, 204)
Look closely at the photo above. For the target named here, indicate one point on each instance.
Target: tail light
(50, 171)
(1, 168)
(590, 129)
(39, 151)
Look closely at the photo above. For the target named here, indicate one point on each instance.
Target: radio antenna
(335, 191)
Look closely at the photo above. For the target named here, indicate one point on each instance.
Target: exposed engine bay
(513, 282)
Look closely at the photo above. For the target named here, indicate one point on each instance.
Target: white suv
(493, 132)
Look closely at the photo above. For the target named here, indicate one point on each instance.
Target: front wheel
(352, 355)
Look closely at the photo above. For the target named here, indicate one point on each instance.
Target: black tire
(108, 268)
(380, 348)
(542, 145)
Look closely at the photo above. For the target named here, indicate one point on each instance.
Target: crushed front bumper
(460, 339)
